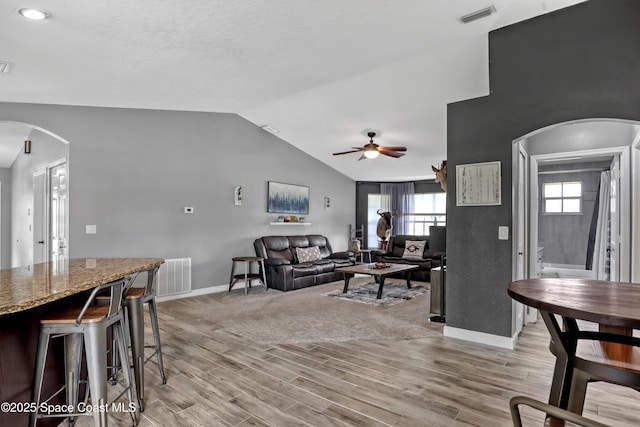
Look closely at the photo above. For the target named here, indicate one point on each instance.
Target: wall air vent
(5, 67)
(270, 129)
(478, 14)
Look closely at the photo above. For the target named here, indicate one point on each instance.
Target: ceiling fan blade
(347, 152)
(362, 157)
(392, 153)
(392, 149)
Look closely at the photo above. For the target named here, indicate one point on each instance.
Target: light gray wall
(45, 150)
(131, 172)
(5, 218)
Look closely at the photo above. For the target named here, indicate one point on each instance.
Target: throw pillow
(308, 254)
(413, 249)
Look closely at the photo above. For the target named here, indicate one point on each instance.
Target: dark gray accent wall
(131, 173)
(363, 189)
(576, 63)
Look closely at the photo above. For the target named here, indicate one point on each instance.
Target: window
(375, 202)
(429, 209)
(562, 197)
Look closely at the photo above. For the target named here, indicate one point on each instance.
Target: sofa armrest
(274, 262)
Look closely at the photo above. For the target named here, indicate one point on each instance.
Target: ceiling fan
(372, 150)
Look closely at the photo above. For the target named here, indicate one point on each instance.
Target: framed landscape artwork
(287, 198)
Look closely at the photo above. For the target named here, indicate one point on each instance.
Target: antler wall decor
(441, 175)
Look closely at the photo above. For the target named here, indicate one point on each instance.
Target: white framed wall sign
(478, 184)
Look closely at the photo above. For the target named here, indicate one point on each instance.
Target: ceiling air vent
(478, 14)
(5, 67)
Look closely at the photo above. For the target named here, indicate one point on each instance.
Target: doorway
(580, 222)
(585, 144)
(23, 210)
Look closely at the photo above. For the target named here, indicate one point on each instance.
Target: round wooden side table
(248, 276)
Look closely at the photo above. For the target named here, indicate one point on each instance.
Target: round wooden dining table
(614, 306)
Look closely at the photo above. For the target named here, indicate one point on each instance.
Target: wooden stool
(609, 361)
(247, 276)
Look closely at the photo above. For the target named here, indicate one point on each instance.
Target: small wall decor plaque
(237, 196)
(478, 184)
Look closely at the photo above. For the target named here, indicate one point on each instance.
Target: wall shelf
(290, 223)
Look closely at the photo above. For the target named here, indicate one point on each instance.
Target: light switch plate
(503, 232)
(91, 229)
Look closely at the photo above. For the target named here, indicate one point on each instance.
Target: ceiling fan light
(371, 154)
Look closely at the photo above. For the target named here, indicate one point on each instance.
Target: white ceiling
(321, 72)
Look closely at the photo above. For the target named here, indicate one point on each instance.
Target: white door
(59, 207)
(40, 240)
(521, 238)
(614, 224)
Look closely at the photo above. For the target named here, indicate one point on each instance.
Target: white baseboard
(196, 292)
(481, 337)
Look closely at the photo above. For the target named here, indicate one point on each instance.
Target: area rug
(392, 293)
(303, 316)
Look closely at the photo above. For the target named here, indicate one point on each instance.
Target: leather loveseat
(397, 252)
(293, 262)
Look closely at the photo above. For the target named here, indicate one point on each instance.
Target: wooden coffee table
(379, 274)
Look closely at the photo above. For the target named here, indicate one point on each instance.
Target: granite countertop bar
(23, 288)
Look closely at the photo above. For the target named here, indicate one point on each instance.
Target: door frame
(521, 314)
(630, 202)
(624, 237)
(40, 214)
(635, 207)
(47, 206)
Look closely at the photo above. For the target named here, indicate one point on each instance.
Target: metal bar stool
(247, 276)
(88, 324)
(134, 301)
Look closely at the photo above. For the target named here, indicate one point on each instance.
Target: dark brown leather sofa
(394, 255)
(283, 269)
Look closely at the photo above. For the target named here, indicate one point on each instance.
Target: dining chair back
(555, 417)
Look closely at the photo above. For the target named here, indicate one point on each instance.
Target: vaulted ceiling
(322, 73)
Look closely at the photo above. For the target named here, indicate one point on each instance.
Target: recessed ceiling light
(34, 14)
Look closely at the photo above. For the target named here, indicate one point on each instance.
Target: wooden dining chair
(613, 358)
(555, 417)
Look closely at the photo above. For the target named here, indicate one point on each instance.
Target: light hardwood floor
(217, 378)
